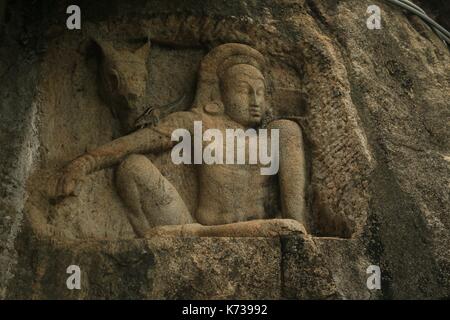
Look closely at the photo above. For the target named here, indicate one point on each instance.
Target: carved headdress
(216, 62)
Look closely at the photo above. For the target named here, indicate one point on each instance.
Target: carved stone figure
(123, 81)
(233, 199)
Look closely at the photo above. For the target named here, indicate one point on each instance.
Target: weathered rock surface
(376, 112)
(161, 268)
(193, 268)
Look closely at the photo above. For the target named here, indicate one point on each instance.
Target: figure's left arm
(292, 170)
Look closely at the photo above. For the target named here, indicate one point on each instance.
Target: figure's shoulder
(285, 123)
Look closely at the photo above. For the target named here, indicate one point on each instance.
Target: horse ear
(144, 51)
(105, 47)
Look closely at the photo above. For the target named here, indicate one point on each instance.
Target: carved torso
(228, 192)
(232, 193)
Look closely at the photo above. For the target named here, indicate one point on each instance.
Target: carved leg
(151, 198)
(292, 173)
(254, 228)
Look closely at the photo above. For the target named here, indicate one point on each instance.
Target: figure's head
(243, 91)
(124, 81)
(232, 82)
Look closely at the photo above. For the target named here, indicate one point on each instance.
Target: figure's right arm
(144, 140)
(148, 140)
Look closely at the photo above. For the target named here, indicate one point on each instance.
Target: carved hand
(71, 177)
(112, 153)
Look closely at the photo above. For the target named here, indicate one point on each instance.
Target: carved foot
(255, 228)
(276, 227)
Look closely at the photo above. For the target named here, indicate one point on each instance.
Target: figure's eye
(114, 79)
(260, 91)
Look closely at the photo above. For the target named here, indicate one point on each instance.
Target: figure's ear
(113, 80)
(214, 108)
(105, 47)
(144, 51)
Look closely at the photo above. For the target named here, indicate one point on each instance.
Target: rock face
(194, 268)
(373, 106)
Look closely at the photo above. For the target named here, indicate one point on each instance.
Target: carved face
(124, 81)
(244, 94)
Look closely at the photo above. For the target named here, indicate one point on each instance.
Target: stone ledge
(290, 267)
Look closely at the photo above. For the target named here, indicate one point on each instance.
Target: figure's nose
(253, 99)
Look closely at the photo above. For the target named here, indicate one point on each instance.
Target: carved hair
(214, 65)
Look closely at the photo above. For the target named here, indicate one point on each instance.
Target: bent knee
(134, 165)
(288, 128)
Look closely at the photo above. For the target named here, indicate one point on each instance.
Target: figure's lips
(255, 112)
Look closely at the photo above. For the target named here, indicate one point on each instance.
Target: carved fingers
(67, 183)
